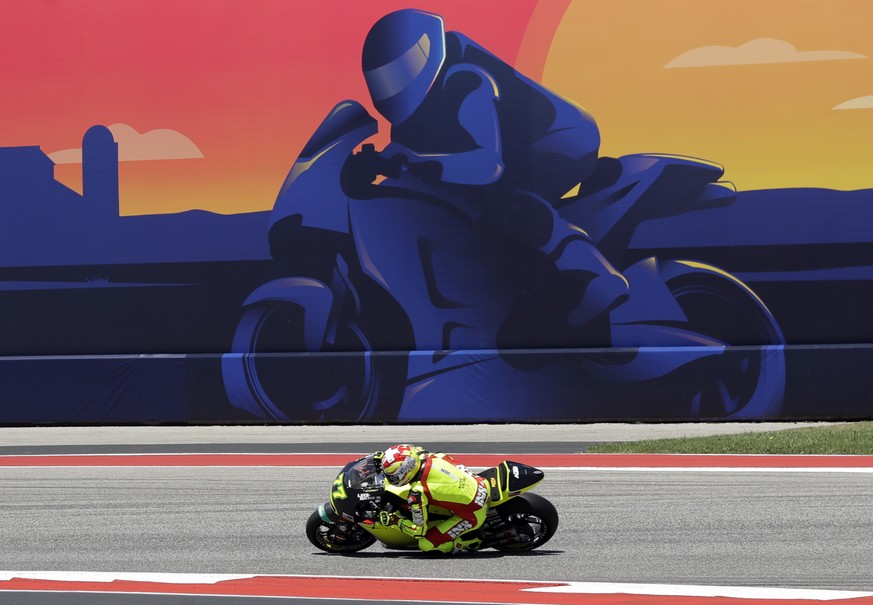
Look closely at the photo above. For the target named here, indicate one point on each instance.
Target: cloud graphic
(858, 103)
(158, 144)
(761, 50)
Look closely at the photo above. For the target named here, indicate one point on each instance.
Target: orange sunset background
(779, 92)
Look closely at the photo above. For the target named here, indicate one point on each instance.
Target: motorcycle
(517, 521)
(396, 300)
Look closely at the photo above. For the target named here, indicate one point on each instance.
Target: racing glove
(404, 525)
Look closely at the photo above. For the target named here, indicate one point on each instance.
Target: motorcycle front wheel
(339, 537)
(529, 516)
(279, 376)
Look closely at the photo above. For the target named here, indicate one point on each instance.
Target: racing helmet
(402, 55)
(400, 463)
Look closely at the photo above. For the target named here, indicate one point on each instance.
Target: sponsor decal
(417, 515)
(481, 495)
(445, 471)
(515, 471)
(460, 528)
(415, 509)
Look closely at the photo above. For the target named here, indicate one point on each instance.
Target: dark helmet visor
(396, 76)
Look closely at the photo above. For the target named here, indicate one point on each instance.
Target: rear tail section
(509, 479)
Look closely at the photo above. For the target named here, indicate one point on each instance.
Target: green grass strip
(849, 438)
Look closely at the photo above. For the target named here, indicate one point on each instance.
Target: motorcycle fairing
(640, 187)
(312, 193)
(509, 479)
(455, 286)
(358, 489)
(649, 300)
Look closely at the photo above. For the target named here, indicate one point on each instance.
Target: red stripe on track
(400, 590)
(473, 460)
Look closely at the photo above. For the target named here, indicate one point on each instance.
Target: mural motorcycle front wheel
(275, 377)
(748, 379)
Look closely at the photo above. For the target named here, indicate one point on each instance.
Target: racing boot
(436, 542)
(467, 543)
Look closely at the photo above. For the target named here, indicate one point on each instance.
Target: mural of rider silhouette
(465, 121)
(461, 287)
(462, 284)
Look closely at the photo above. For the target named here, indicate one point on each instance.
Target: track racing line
(43, 587)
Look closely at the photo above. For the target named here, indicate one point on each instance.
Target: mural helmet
(400, 464)
(403, 54)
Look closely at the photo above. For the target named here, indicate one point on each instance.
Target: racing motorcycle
(517, 521)
(407, 302)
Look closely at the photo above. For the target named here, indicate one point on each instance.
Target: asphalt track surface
(797, 528)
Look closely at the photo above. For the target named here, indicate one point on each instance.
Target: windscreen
(364, 475)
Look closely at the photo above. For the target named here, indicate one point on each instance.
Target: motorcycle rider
(461, 117)
(436, 480)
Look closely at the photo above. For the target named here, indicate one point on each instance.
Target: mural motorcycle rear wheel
(748, 379)
(282, 375)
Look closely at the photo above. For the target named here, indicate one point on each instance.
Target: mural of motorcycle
(399, 305)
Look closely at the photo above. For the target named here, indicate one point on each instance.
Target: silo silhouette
(100, 169)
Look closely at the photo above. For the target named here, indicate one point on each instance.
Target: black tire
(323, 535)
(533, 515)
(347, 381)
(748, 380)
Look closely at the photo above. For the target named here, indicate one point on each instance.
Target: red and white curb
(425, 590)
(626, 462)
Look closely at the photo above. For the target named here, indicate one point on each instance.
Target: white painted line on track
(135, 576)
(682, 590)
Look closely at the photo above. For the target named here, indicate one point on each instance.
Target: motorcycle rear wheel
(531, 515)
(748, 381)
(326, 536)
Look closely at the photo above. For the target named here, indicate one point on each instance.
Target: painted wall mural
(386, 211)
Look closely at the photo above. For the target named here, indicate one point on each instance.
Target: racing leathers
(514, 148)
(444, 484)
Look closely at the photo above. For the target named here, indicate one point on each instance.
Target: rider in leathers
(461, 117)
(436, 480)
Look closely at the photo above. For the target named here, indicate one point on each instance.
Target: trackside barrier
(555, 385)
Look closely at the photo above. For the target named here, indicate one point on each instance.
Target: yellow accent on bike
(339, 491)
